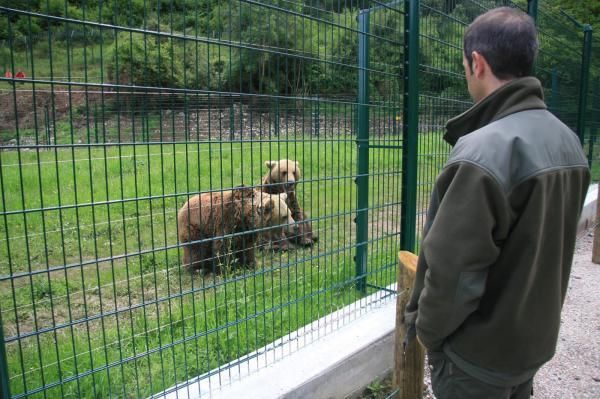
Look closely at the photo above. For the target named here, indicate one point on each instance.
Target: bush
(149, 61)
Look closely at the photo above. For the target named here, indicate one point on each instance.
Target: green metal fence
(124, 111)
(593, 116)
(113, 115)
(564, 67)
(592, 122)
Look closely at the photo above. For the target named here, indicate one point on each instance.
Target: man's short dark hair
(507, 39)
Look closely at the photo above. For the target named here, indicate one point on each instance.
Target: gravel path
(574, 372)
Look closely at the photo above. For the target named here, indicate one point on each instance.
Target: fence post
(317, 116)
(554, 92)
(4, 381)
(96, 123)
(277, 128)
(532, 9)
(583, 81)
(47, 126)
(410, 128)
(232, 121)
(408, 360)
(593, 124)
(596, 246)
(362, 176)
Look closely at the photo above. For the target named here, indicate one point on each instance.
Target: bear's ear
(283, 196)
(270, 164)
(266, 207)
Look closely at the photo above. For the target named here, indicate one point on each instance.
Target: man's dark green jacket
(500, 233)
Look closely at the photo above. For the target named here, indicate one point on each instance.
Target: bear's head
(273, 211)
(284, 172)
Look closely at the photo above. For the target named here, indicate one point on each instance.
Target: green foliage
(53, 7)
(145, 60)
(378, 389)
(3, 29)
(277, 52)
(587, 12)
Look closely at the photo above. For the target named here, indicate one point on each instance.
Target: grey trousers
(449, 382)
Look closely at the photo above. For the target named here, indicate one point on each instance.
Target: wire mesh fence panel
(131, 257)
(559, 64)
(564, 67)
(442, 88)
(184, 182)
(592, 120)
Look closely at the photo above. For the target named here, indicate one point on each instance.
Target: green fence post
(4, 381)
(96, 129)
(532, 9)
(316, 115)
(554, 92)
(410, 129)
(231, 121)
(27, 44)
(47, 125)
(583, 81)
(593, 123)
(362, 176)
(277, 117)
(595, 107)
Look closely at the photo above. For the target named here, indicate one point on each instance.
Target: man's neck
(491, 85)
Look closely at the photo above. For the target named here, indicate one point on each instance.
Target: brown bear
(282, 177)
(213, 225)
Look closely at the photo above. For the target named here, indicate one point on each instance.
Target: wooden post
(596, 248)
(409, 361)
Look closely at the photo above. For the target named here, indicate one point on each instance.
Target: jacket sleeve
(462, 241)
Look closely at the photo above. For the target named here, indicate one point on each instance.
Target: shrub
(145, 61)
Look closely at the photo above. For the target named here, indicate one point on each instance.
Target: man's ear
(478, 64)
(270, 164)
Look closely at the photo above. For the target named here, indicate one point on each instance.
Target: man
(500, 233)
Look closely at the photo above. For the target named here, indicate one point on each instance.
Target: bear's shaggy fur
(215, 224)
(282, 177)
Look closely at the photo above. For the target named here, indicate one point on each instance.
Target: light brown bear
(215, 225)
(282, 177)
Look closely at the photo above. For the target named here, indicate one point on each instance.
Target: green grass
(381, 388)
(97, 295)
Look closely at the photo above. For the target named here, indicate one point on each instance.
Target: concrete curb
(341, 352)
(348, 349)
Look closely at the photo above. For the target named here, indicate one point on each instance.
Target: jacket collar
(515, 96)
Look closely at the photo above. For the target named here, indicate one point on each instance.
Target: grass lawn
(93, 299)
